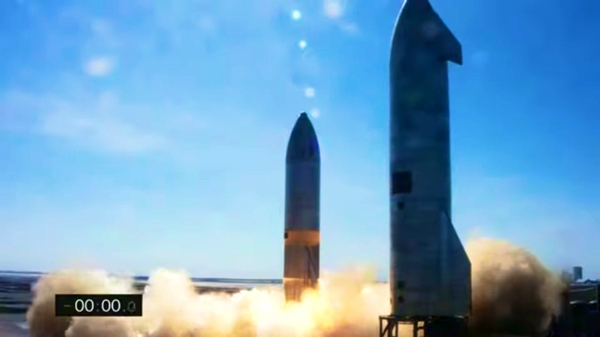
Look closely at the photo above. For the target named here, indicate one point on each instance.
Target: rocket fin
(456, 271)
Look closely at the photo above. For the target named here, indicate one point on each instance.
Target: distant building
(580, 313)
(585, 292)
(577, 273)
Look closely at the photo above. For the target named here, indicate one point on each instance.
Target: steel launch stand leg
(388, 326)
(430, 326)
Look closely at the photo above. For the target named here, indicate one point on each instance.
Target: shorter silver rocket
(302, 235)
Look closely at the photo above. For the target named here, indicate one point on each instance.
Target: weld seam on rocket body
(302, 238)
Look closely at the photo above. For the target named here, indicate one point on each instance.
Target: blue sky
(142, 134)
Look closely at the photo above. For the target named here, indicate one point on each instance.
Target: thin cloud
(103, 133)
(337, 11)
(98, 122)
(101, 27)
(100, 66)
(349, 28)
(102, 34)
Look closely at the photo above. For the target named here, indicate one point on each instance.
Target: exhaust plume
(512, 293)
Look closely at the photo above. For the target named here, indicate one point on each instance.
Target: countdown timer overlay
(98, 305)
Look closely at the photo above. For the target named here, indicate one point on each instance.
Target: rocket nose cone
(303, 143)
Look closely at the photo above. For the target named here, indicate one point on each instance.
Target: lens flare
(296, 15)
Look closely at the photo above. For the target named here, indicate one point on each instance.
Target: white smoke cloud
(345, 304)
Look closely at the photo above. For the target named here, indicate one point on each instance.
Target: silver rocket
(302, 192)
(430, 272)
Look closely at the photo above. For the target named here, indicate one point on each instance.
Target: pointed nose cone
(303, 144)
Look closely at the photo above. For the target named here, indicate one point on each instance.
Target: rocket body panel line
(429, 272)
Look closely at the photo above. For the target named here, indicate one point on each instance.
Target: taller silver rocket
(430, 271)
(302, 199)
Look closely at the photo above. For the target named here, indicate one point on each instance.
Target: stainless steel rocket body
(302, 199)
(430, 271)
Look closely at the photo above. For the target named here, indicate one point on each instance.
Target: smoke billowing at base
(512, 293)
